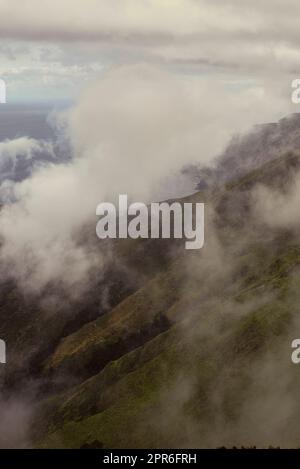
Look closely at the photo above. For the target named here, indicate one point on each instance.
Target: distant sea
(18, 120)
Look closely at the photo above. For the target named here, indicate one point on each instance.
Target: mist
(129, 132)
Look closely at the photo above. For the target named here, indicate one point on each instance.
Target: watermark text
(158, 220)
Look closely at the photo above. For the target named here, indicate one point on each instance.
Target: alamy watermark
(295, 356)
(2, 92)
(2, 352)
(157, 220)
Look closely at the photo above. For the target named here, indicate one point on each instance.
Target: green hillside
(199, 354)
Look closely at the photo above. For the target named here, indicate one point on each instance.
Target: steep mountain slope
(199, 355)
(248, 152)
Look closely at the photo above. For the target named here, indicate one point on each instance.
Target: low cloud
(279, 209)
(16, 415)
(129, 132)
(18, 157)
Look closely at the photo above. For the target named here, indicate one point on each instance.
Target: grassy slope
(158, 390)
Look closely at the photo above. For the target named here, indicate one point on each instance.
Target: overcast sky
(50, 50)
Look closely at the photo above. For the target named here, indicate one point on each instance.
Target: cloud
(19, 157)
(53, 50)
(24, 147)
(129, 131)
(16, 156)
(279, 209)
(249, 35)
(94, 19)
(140, 122)
(16, 415)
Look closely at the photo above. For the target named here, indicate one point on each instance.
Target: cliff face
(171, 348)
(248, 152)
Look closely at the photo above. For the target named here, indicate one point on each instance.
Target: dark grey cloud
(249, 33)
